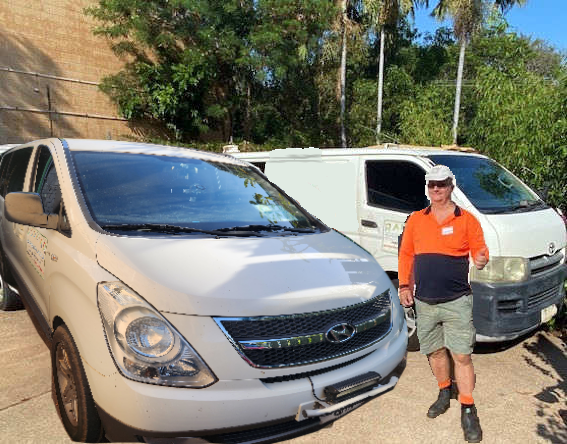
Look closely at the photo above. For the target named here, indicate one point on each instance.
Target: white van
(368, 193)
(187, 299)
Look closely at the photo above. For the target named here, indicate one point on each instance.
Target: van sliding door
(393, 189)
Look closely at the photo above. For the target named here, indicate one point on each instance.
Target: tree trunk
(459, 87)
(247, 116)
(380, 87)
(343, 73)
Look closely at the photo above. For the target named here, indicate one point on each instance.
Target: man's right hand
(406, 296)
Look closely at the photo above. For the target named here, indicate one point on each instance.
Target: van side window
(396, 185)
(260, 165)
(50, 190)
(46, 183)
(16, 172)
(44, 160)
(4, 173)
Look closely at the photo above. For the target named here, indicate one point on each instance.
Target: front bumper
(506, 311)
(233, 411)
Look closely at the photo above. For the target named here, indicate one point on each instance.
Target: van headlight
(144, 345)
(501, 270)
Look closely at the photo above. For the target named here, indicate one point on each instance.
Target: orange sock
(444, 384)
(466, 399)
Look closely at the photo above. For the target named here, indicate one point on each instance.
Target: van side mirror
(27, 209)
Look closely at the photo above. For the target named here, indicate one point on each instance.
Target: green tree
(187, 60)
(386, 14)
(467, 17)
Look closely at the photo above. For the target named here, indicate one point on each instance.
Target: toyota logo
(551, 248)
(340, 333)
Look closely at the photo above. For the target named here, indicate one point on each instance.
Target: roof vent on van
(464, 149)
(230, 148)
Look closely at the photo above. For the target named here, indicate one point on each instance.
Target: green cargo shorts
(446, 324)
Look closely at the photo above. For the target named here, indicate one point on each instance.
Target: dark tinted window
(50, 191)
(260, 165)
(396, 185)
(489, 187)
(4, 172)
(44, 160)
(17, 169)
(121, 188)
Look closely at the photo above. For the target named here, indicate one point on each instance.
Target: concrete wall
(54, 38)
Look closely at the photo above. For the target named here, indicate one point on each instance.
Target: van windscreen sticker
(36, 249)
(390, 235)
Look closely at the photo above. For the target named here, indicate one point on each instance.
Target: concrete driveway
(521, 396)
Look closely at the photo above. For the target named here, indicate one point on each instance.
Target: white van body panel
(228, 403)
(528, 234)
(244, 276)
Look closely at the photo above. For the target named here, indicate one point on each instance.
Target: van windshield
(488, 186)
(136, 189)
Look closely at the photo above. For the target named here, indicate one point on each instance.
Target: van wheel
(413, 341)
(9, 299)
(73, 396)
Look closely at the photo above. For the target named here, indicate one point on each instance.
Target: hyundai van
(188, 299)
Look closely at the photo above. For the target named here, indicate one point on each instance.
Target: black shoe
(442, 404)
(470, 424)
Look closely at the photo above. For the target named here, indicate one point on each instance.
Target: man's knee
(438, 354)
(461, 359)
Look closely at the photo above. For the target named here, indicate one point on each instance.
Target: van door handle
(368, 223)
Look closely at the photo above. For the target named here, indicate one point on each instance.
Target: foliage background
(265, 73)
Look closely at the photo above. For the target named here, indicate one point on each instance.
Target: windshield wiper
(174, 229)
(526, 206)
(270, 227)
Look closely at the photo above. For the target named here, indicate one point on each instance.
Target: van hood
(244, 276)
(528, 234)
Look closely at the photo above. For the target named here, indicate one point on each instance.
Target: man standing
(434, 253)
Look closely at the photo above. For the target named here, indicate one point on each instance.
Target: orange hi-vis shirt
(436, 255)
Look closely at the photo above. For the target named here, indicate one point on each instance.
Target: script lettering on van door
(36, 249)
(391, 232)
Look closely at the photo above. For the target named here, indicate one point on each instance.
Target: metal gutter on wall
(48, 76)
(64, 113)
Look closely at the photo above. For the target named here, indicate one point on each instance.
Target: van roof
(386, 149)
(118, 146)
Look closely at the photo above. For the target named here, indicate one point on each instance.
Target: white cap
(439, 172)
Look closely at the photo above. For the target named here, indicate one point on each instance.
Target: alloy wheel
(67, 386)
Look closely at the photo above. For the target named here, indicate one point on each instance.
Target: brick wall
(54, 38)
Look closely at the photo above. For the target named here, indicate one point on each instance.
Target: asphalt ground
(521, 396)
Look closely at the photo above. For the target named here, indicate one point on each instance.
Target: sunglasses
(438, 184)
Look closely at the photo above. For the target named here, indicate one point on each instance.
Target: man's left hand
(480, 260)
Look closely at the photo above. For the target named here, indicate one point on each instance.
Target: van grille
(544, 263)
(299, 339)
(542, 297)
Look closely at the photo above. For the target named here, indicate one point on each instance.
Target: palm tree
(467, 16)
(348, 23)
(385, 13)
(344, 26)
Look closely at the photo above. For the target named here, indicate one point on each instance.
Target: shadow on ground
(550, 427)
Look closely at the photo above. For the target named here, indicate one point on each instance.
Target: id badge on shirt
(445, 231)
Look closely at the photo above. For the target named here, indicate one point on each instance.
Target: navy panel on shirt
(440, 277)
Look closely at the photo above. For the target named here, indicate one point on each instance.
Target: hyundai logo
(551, 248)
(340, 333)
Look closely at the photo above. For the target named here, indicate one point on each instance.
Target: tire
(73, 396)
(411, 319)
(9, 299)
